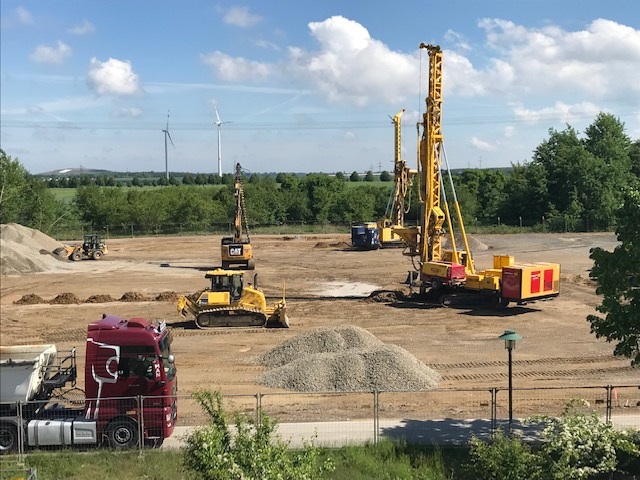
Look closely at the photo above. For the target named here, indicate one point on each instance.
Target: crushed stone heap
(25, 250)
(342, 359)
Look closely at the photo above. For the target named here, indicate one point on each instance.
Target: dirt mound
(133, 297)
(24, 250)
(167, 297)
(30, 299)
(331, 245)
(342, 359)
(100, 299)
(385, 296)
(65, 299)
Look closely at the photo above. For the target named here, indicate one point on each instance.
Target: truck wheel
(75, 256)
(96, 254)
(8, 438)
(122, 434)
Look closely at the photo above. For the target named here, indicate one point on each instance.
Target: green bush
(577, 445)
(504, 458)
(251, 451)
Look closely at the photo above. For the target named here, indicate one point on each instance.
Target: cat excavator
(447, 272)
(236, 251)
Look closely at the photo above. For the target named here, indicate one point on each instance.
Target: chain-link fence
(330, 419)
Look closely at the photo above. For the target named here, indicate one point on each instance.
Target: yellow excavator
(229, 302)
(454, 270)
(236, 251)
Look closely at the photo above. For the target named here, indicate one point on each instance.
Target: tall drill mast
(429, 161)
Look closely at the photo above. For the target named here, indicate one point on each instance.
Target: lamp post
(510, 338)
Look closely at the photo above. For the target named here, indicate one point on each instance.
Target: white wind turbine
(166, 156)
(219, 123)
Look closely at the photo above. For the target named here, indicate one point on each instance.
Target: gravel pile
(344, 359)
(320, 340)
(24, 250)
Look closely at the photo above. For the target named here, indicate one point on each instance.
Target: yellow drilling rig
(396, 208)
(452, 271)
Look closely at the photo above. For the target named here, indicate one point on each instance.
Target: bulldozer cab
(231, 283)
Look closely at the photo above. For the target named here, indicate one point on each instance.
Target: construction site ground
(328, 284)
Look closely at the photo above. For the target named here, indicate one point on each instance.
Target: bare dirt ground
(327, 285)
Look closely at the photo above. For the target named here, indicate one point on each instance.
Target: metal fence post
(609, 403)
(140, 424)
(258, 407)
(376, 416)
(494, 410)
(21, 449)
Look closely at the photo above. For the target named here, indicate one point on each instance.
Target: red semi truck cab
(130, 389)
(127, 359)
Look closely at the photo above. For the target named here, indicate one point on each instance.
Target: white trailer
(28, 376)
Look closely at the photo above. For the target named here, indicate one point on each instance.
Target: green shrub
(504, 458)
(249, 452)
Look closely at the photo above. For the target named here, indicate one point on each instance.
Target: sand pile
(25, 250)
(474, 244)
(344, 358)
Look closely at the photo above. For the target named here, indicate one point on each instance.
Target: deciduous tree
(617, 274)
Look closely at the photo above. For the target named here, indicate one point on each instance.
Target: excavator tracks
(231, 317)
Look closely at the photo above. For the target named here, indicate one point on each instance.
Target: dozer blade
(278, 320)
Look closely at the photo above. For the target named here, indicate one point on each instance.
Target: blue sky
(304, 86)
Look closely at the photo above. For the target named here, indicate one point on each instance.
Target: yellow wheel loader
(228, 302)
(92, 248)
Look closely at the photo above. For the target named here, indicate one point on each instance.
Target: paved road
(358, 432)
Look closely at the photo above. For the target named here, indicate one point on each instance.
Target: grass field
(386, 460)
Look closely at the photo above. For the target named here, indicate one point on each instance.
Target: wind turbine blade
(167, 121)
(217, 116)
(169, 135)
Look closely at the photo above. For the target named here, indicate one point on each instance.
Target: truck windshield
(165, 351)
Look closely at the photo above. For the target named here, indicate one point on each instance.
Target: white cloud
(351, 66)
(559, 111)
(131, 112)
(548, 65)
(482, 145)
(83, 29)
(234, 69)
(18, 16)
(509, 131)
(267, 45)
(601, 60)
(241, 17)
(112, 77)
(23, 15)
(458, 39)
(51, 54)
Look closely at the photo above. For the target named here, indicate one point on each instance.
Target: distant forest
(573, 182)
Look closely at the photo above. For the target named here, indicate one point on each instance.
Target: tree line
(571, 183)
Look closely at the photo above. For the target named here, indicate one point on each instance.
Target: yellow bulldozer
(229, 302)
(92, 248)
